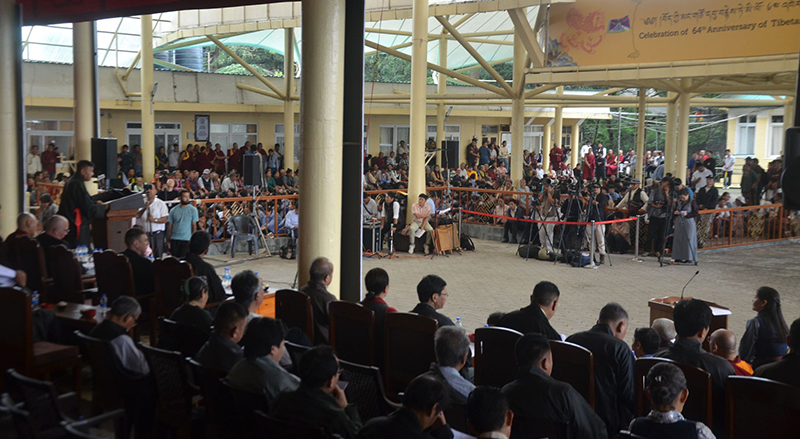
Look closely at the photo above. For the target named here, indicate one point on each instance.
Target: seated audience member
(489, 413)
(9, 277)
(495, 318)
(536, 396)
(26, 226)
(136, 243)
(692, 320)
(420, 417)
(193, 312)
(222, 351)
(199, 243)
(722, 343)
(319, 401)
(432, 293)
(377, 283)
(259, 371)
(786, 370)
(764, 339)
(666, 331)
(535, 318)
(666, 389)
(247, 291)
(55, 229)
(613, 366)
(452, 352)
(320, 276)
(119, 319)
(645, 342)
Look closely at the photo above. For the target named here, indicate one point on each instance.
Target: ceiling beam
(248, 67)
(523, 31)
(539, 90)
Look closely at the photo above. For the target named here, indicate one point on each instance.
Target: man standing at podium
(77, 206)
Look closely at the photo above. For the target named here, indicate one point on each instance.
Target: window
(280, 135)
(746, 135)
(566, 136)
(489, 129)
(776, 136)
(532, 138)
(42, 132)
(226, 134)
(451, 132)
(166, 133)
(392, 135)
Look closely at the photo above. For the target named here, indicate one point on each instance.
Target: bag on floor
(529, 251)
(466, 243)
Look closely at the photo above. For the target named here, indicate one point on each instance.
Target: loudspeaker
(449, 154)
(790, 180)
(253, 170)
(104, 156)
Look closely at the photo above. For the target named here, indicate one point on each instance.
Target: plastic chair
(82, 429)
(494, 360)
(242, 226)
(41, 401)
(365, 390)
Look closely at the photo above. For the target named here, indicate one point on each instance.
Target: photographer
(657, 212)
(596, 211)
(548, 212)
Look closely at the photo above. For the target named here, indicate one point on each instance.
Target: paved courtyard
(493, 278)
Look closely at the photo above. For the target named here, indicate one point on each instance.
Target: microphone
(687, 283)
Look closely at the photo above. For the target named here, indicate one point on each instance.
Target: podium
(122, 205)
(664, 306)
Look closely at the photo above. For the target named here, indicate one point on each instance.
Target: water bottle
(226, 278)
(103, 304)
(486, 325)
(35, 300)
(458, 323)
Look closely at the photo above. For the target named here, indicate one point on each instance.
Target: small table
(71, 318)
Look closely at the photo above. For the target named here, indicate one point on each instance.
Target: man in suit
(420, 417)
(320, 276)
(514, 211)
(536, 396)
(55, 230)
(222, 351)
(432, 293)
(319, 401)
(143, 278)
(452, 352)
(199, 243)
(692, 320)
(786, 369)
(613, 367)
(536, 317)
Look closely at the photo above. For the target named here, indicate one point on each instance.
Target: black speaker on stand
(104, 156)
(790, 180)
(449, 154)
(253, 170)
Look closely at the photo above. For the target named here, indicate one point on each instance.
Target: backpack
(466, 243)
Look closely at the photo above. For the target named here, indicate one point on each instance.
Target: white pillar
(10, 118)
(148, 112)
(546, 144)
(558, 129)
(321, 119)
(518, 110)
(640, 134)
(683, 133)
(419, 78)
(441, 89)
(672, 134)
(84, 111)
(288, 104)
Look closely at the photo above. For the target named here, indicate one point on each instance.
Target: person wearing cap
(635, 199)
(206, 182)
(421, 212)
(153, 219)
(596, 208)
(47, 208)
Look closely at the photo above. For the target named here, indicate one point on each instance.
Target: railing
(218, 228)
(735, 226)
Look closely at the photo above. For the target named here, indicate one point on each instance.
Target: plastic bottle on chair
(103, 304)
(35, 300)
(226, 278)
(458, 323)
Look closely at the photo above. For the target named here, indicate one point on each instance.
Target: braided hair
(193, 288)
(376, 281)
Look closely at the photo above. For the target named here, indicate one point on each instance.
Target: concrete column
(518, 110)
(288, 104)
(788, 121)
(419, 71)
(672, 133)
(683, 134)
(440, 108)
(148, 113)
(84, 68)
(558, 128)
(321, 119)
(12, 117)
(640, 134)
(546, 144)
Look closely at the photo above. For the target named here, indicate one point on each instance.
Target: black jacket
(219, 353)
(426, 310)
(530, 319)
(143, 277)
(535, 395)
(320, 298)
(707, 198)
(613, 375)
(75, 201)
(193, 316)
(401, 424)
(46, 241)
(315, 408)
(786, 370)
(216, 293)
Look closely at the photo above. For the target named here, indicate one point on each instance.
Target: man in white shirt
(585, 149)
(699, 176)
(9, 277)
(229, 183)
(369, 208)
(153, 219)
(292, 221)
(174, 157)
(402, 148)
(34, 161)
(727, 168)
(421, 213)
(504, 154)
(539, 172)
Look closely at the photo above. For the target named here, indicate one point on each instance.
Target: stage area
(493, 278)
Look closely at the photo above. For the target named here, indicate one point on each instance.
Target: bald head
(321, 270)
(723, 344)
(666, 331)
(57, 226)
(26, 223)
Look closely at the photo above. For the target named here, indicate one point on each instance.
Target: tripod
(573, 201)
(592, 209)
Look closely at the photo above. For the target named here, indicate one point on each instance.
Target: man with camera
(548, 210)
(596, 211)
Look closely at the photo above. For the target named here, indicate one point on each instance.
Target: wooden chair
(574, 364)
(67, 280)
(180, 337)
(170, 274)
(352, 332)
(758, 408)
(365, 390)
(409, 349)
(247, 404)
(494, 362)
(27, 255)
(175, 390)
(217, 400)
(16, 341)
(527, 428)
(294, 309)
(115, 278)
(272, 428)
(295, 352)
(699, 405)
(456, 415)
